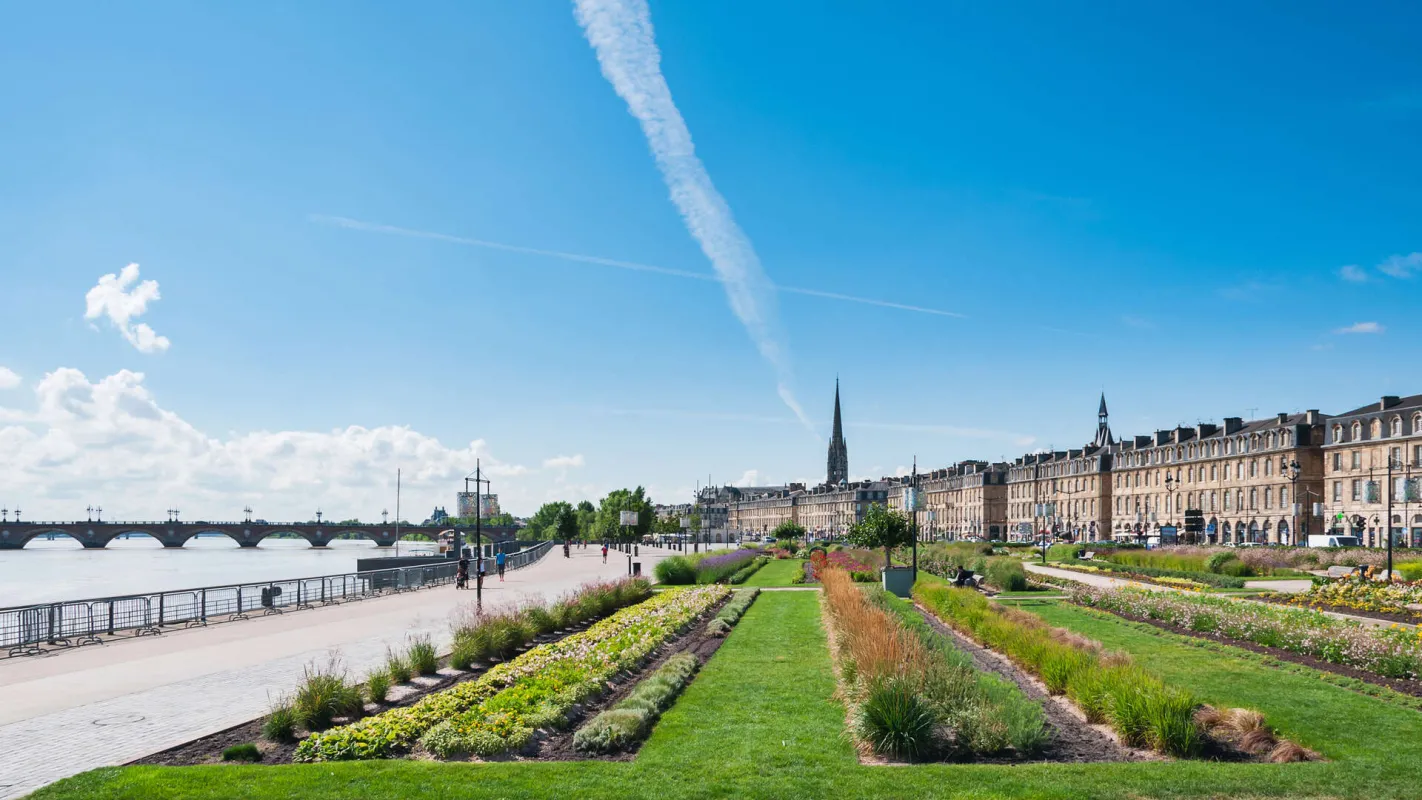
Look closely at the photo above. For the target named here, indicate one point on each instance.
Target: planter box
(898, 580)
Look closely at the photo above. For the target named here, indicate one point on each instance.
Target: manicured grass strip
(779, 572)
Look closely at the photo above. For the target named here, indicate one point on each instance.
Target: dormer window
(1337, 433)
(1396, 426)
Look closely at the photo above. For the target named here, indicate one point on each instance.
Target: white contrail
(620, 31)
(376, 227)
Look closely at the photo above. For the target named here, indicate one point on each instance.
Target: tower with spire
(838, 467)
(1103, 430)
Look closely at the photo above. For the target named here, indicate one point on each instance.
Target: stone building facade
(1240, 475)
(1357, 490)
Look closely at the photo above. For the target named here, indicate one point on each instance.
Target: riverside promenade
(96, 706)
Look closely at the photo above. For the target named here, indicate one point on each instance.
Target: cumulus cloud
(9, 379)
(750, 477)
(563, 462)
(620, 31)
(112, 298)
(109, 441)
(1361, 327)
(1353, 273)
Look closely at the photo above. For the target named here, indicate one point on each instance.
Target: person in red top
(604, 552)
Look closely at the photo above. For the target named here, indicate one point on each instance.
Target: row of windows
(1252, 468)
(1074, 508)
(1375, 428)
(1237, 445)
(1355, 458)
(1404, 490)
(1204, 501)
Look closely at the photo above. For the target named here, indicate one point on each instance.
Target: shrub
(280, 724)
(718, 627)
(1065, 552)
(242, 752)
(895, 720)
(377, 686)
(1007, 574)
(720, 567)
(748, 570)
(421, 656)
(675, 571)
(324, 694)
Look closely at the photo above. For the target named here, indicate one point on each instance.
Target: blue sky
(1154, 202)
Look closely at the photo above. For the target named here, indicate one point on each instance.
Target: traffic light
(1194, 521)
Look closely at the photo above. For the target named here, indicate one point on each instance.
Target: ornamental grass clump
(325, 694)
(280, 724)
(675, 571)
(421, 656)
(242, 752)
(377, 686)
(396, 666)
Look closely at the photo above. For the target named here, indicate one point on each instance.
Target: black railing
(30, 630)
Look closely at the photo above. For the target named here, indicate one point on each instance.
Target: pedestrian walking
(604, 552)
(499, 562)
(461, 575)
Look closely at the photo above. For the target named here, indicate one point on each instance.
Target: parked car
(1326, 540)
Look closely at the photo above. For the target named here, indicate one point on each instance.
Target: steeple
(838, 463)
(1103, 430)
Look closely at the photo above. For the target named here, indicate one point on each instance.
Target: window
(1214, 473)
(1212, 501)
(1283, 496)
(1337, 433)
(1357, 431)
(1268, 498)
(1268, 467)
(1253, 469)
(1253, 499)
(1357, 459)
(1357, 489)
(1337, 491)
(1239, 471)
(1226, 501)
(1417, 454)
(1396, 427)
(1396, 454)
(1191, 474)
(1375, 429)
(1337, 462)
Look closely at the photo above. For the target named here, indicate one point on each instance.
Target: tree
(881, 527)
(587, 519)
(789, 529)
(543, 524)
(566, 527)
(609, 525)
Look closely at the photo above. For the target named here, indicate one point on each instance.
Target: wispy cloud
(393, 230)
(1353, 273)
(1401, 266)
(1361, 327)
(563, 462)
(112, 298)
(9, 379)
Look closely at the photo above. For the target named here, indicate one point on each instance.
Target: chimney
(1283, 418)
(1232, 425)
(1161, 437)
(1388, 401)
(1142, 441)
(1205, 429)
(1312, 417)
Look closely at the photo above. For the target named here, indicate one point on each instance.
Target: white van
(1334, 541)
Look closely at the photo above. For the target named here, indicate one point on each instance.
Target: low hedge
(1065, 552)
(731, 612)
(1207, 578)
(1006, 574)
(748, 570)
(629, 721)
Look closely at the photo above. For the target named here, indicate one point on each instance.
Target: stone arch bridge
(14, 535)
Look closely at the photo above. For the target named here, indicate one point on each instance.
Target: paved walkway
(1107, 582)
(103, 705)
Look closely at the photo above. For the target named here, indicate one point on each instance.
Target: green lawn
(760, 721)
(777, 572)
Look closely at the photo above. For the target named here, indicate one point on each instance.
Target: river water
(46, 571)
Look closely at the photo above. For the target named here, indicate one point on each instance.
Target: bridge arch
(16, 539)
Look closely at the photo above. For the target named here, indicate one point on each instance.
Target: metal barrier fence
(27, 630)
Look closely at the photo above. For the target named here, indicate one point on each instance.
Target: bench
(1087, 556)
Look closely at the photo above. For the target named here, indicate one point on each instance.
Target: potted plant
(886, 528)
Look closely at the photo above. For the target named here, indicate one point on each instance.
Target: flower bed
(838, 559)
(708, 567)
(1153, 574)
(911, 695)
(500, 711)
(1389, 652)
(1358, 595)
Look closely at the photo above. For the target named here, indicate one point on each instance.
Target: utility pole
(397, 511)
(478, 477)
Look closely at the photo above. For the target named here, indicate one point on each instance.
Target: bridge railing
(32, 629)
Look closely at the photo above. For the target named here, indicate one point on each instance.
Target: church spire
(838, 463)
(1103, 429)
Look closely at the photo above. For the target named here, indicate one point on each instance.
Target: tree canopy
(544, 522)
(608, 524)
(789, 529)
(881, 527)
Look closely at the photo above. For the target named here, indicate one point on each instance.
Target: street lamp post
(1291, 471)
(1170, 488)
(479, 481)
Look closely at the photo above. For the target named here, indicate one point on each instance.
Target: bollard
(629, 565)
